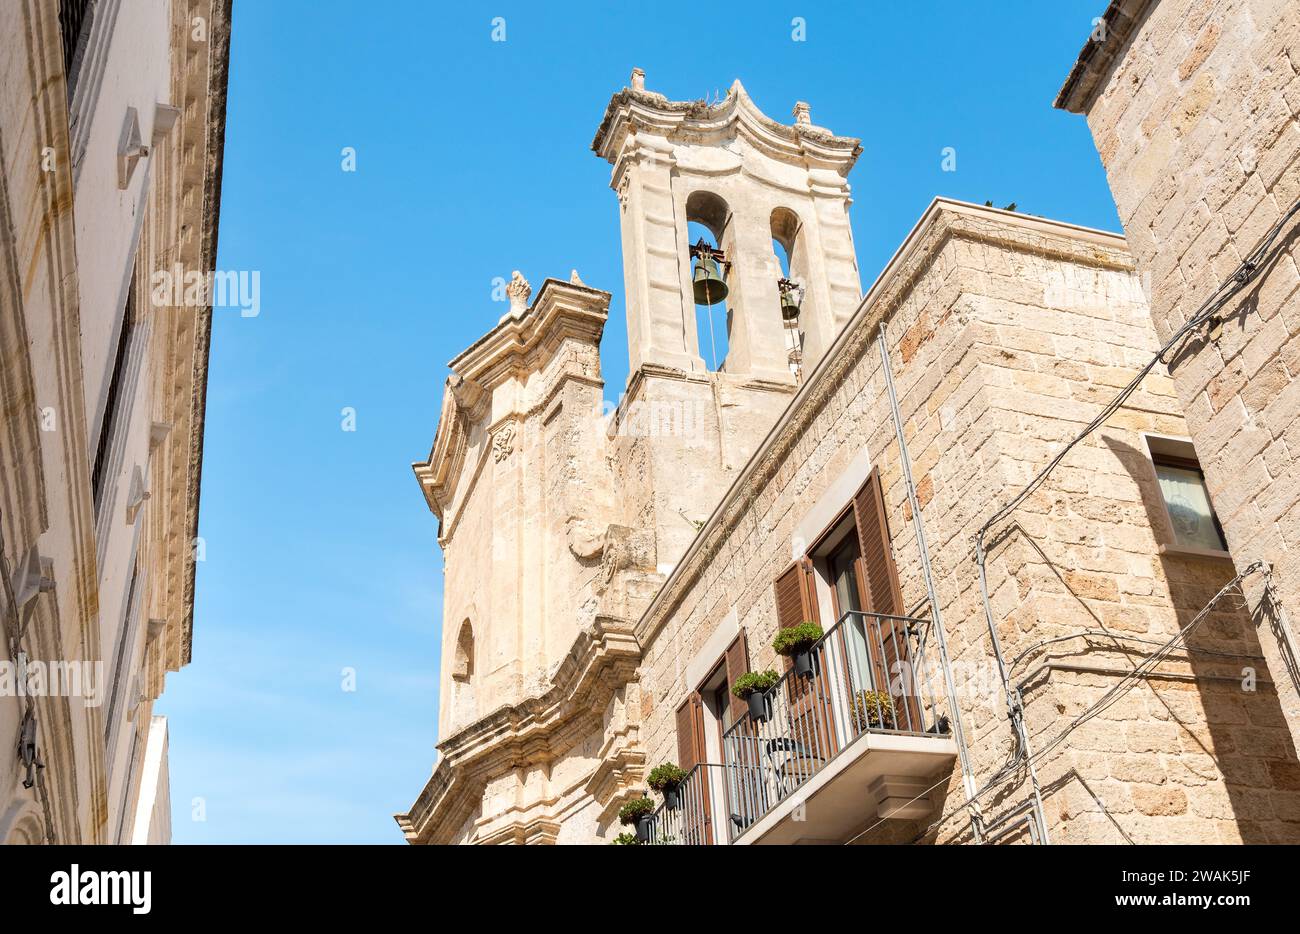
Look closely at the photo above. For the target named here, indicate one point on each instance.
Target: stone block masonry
(1194, 106)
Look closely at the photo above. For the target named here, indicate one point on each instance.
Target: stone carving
(519, 291)
(503, 444)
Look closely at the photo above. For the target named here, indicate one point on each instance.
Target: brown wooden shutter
(883, 592)
(688, 750)
(697, 821)
(888, 642)
(796, 598)
(737, 660)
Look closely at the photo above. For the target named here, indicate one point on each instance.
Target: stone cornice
(637, 382)
(524, 344)
(1100, 53)
(213, 145)
(632, 110)
(517, 346)
(601, 661)
(942, 221)
(435, 475)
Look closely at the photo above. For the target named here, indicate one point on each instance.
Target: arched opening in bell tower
(708, 228)
(792, 285)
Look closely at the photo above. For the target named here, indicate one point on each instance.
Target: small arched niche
(462, 666)
(708, 218)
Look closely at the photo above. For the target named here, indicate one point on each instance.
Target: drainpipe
(959, 733)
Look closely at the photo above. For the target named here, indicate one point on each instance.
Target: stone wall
(1193, 105)
(1006, 334)
(84, 230)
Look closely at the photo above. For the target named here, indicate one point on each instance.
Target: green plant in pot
(872, 710)
(625, 839)
(637, 813)
(666, 779)
(752, 687)
(796, 643)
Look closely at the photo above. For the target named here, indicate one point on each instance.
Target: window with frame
(1192, 520)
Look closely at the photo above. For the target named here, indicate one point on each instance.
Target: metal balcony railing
(869, 673)
(690, 821)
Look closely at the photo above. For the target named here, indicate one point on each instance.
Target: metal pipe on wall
(918, 524)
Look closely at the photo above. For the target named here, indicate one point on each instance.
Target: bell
(789, 304)
(710, 287)
(791, 295)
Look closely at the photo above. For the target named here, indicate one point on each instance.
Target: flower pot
(803, 663)
(759, 708)
(643, 829)
(670, 798)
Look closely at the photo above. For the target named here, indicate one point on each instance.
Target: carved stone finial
(575, 279)
(802, 113)
(638, 79)
(519, 291)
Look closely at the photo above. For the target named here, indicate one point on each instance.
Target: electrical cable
(1207, 313)
(1122, 687)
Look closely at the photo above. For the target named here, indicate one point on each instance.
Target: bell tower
(758, 187)
(749, 181)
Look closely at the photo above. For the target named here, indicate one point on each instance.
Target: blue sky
(472, 159)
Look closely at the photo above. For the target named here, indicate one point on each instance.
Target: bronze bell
(790, 296)
(710, 287)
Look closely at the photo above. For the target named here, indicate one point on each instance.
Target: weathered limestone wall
(1006, 334)
(80, 230)
(523, 531)
(1194, 108)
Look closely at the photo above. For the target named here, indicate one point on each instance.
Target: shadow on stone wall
(1245, 732)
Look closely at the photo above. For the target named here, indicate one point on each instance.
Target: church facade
(936, 562)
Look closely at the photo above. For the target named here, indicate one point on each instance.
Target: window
(1192, 523)
(114, 419)
(722, 705)
(74, 20)
(1191, 516)
(703, 720)
(851, 564)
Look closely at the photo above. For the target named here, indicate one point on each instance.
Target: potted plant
(752, 687)
(637, 812)
(665, 779)
(625, 839)
(872, 710)
(796, 642)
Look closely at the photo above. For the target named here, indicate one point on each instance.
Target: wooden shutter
(887, 640)
(737, 661)
(796, 598)
(883, 593)
(688, 747)
(697, 821)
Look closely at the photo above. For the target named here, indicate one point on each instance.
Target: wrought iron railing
(869, 673)
(685, 816)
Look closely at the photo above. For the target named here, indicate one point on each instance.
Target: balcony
(854, 733)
